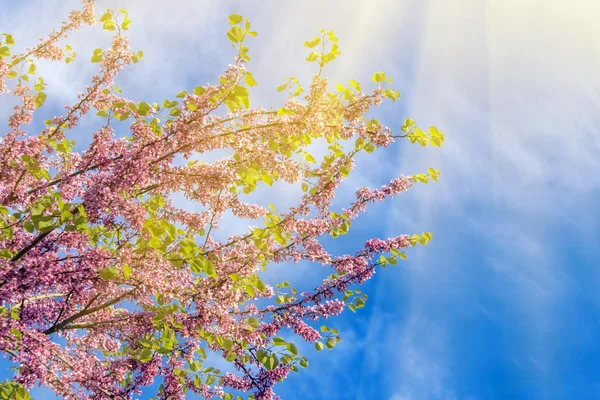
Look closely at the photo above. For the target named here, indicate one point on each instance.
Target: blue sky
(503, 303)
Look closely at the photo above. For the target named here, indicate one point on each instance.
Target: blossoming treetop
(106, 284)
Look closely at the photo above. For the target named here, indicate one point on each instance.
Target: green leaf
(145, 355)
(209, 268)
(44, 224)
(199, 90)
(291, 347)
(195, 266)
(250, 290)
(210, 379)
(5, 253)
(235, 19)
(37, 209)
(187, 245)
(271, 362)
(31, 69)
(28, 226)
(330, 343)
(65, 216)
(108, 273)
(278, 341)
(318, 346)
(360, 303)
(175, 260)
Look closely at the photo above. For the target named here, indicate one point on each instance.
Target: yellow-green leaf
(40, 99)
(235, 19)
(310, 158)
(235, 34)
(109, 26)
(143, 108)
(316, 40)
(250, 81)
(313, 56)
(9, 40)
(105, 17)
(97, 57)
(378, 77)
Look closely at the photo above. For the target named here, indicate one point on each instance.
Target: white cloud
(514, 85)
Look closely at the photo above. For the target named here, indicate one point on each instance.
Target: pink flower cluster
(107, 284)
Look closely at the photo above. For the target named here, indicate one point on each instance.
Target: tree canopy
(107, 283)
